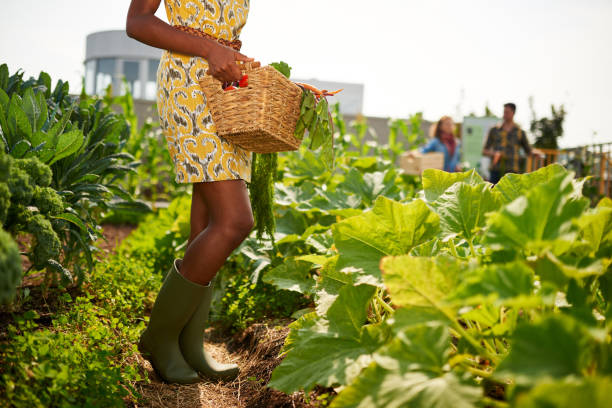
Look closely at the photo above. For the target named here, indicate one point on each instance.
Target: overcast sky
(435, 56)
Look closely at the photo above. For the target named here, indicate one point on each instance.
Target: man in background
(503, 146)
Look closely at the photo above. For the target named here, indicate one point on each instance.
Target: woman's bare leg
(199, 215)
(229, 222)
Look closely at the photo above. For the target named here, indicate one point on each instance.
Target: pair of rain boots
(173, 340)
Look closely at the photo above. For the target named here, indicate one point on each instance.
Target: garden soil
(255, 350)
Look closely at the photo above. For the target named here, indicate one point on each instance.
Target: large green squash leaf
(545, 213)
(410, 372)
(596, 229)
(495, 283)
(368, 186)
(329, 284)
(292, 275)
(419, 281)
(436, 182)
(512, 186)
(554, 347)
(463, 206)
(330, 352)
(589, 392)
(390, 228)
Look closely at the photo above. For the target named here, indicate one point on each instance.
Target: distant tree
(548, 130)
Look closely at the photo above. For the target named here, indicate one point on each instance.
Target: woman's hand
(222, 63)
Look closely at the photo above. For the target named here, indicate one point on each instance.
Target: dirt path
(255, 350)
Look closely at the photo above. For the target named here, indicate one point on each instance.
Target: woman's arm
(144, 26)
(431, 146)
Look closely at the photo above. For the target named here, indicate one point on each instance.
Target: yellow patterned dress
(198, 153)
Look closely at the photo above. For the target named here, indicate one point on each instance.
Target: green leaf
(348, 313)
(552, 269)
(554, 347)
(595, 228)
(67, 144)
(591, 392)
(390, 228)
(495, 283)
(605, 202)
(429, 248)
(436, 182)
(545, 213)
(4, 100)
(18, 123)
(331, 352)
(73, 219)
(368, 186)
(4, 76)
(512, 186)
(329, 284)
(20, 148)
(35, 108)
(415, 281)
(409, 372)
(380, 388)
(291, 275)
(462, 208)
(282, 67)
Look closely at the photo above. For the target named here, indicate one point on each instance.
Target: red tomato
(244, 81)
(230, 88)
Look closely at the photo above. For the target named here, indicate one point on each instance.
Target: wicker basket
(260, 118)
(415, 163)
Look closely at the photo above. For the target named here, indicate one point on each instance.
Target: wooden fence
(591, 160)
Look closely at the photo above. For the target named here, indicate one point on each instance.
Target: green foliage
(548, 130)
(166, 232)
(411, 370)
(87, 355)
(587, 392)
(508, 284)
(64, 159)
(390, 228)
(154, 177)
(10, 267)
(47, 244)
(282, 67)
(242, 302)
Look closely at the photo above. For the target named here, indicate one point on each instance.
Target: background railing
(590, 160)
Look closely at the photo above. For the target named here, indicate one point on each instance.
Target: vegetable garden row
(440, 291)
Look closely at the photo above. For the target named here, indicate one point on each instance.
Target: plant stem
(457, 326)
(494, 403)
(472, 249)
(452, 248)
(384, 304)
(477, 371)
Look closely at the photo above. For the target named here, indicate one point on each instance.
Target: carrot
(318, 93)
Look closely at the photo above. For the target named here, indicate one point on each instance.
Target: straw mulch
(256, 351)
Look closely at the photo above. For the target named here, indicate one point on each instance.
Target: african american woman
(201, 37)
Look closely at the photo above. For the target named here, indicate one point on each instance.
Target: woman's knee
(237, 228)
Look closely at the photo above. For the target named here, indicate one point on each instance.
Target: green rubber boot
(159, 343)
(191, 341)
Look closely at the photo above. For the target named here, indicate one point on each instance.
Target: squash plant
(469, 295)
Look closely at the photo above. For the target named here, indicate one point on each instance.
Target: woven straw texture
(260, 118)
